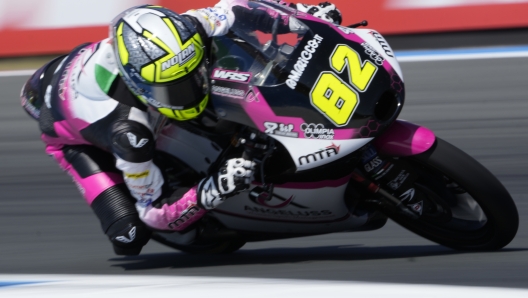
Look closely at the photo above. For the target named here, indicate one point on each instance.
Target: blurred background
(47, 27)
(481, 106)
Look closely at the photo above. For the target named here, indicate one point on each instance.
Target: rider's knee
(120, 220)
(128, 236)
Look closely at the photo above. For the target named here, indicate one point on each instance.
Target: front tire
(469, 209)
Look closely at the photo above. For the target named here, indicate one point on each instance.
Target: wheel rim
(449, 212)
(463, 212)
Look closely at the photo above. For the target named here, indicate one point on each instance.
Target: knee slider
(128, 235)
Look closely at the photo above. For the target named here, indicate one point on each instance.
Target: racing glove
(234, 176)
(324, 10)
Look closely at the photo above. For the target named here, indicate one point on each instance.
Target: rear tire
(461, 176)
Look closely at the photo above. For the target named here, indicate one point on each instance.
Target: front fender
(404, 138)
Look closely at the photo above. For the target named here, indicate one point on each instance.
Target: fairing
(304, 78)
(404, 139)
(284, 68)
(250, 85)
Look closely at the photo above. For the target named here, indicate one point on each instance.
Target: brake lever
(363, 23)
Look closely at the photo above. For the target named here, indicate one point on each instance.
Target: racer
(101, 107)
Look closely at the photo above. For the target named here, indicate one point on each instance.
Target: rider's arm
(214, 21)
(217, 20)
(133, 145)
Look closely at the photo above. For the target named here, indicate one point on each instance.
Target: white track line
(17, 73)
(406, 56)
(445, 55)
(73, 286)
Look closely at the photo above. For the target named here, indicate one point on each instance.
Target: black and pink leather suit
(104, 137)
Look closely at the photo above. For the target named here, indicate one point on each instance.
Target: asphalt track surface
(480, 106)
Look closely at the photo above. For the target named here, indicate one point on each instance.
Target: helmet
(161, 59)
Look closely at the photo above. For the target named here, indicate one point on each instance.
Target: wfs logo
(231, 75)
(317, 131)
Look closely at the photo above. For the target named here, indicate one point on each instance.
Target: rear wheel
(463, 205)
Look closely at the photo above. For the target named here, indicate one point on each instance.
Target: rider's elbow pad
(132, 142)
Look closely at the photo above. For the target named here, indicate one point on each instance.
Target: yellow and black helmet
(161, 58)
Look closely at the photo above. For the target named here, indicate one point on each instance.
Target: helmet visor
(185, 93)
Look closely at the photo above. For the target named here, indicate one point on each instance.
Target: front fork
(390, 179)
(378, 174)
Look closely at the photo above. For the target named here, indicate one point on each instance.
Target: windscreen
(275, 34)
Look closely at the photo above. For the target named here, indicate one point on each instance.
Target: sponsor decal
(179, 59)
(275, 201)
(418, 207)
(230, 75)
(408, 195)
(383, 171)
(345, 30)
(303, 61)
(398, 181)
(383, 43)
(270, 205)
(280, 129)
(317, 131)
(143, 195)
(146, 186)
(369, 50)
(186, 215)
(369, 154)
(214, 14)
(371, 165)
(145, 202)
(226, 91)
(132, 138)
(131, 236)
(286, 213)
(147, 196)
(327, 152)
(251, 97)
(137, 175)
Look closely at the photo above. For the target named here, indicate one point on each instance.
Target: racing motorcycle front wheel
(463, 205)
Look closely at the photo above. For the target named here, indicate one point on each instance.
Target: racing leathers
(104, 137)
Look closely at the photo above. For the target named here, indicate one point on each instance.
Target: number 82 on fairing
(332, 96)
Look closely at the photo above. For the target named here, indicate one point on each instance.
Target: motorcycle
(316, 105)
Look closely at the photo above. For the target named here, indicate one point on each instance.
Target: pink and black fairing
(267, 75)
(248, 52)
